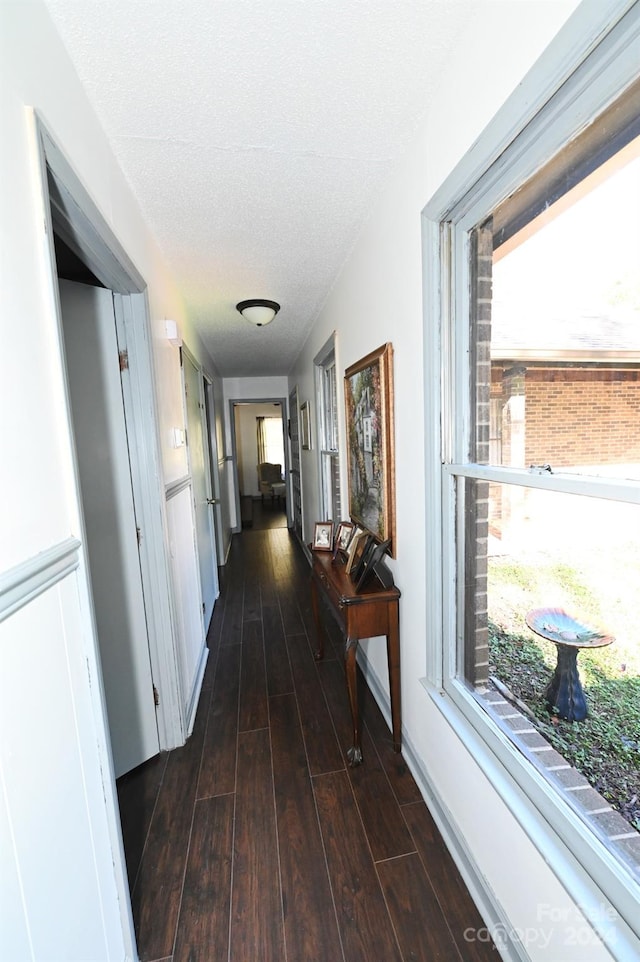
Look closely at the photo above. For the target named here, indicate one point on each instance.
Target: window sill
(606, 893)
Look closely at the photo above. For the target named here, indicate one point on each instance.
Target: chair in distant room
(270, 480)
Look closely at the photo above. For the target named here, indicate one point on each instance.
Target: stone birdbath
(564, 693)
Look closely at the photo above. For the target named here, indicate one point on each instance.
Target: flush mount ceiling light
(258, 311)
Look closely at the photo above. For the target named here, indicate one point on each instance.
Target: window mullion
(596, 487)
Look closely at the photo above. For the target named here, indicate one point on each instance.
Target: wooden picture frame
(371, 559)
(323, 536)
(344, 533)
(359, 545)
(354, 544)
(368, 386)
(368, 546)
(305, 426)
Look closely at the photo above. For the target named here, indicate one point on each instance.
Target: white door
(214, 467)
(93, 373)
(199, 450)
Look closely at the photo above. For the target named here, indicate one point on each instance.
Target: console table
(372, 612)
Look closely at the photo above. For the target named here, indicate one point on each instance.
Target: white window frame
(323, 361)
(591, 61)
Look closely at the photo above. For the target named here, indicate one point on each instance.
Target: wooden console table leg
(354, 754)
(393, 659)
(319, 652)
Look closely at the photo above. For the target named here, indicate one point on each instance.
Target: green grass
(605, 747)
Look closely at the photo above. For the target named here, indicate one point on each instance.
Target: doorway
(84, 251)
(248, 451)
(72, 218)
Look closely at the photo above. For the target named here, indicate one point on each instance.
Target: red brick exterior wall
(582, 417)
(476, 659)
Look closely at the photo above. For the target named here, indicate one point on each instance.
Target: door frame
(284, 411)
(214, 454)
(185, 353)
(294, 416)
(70, 211)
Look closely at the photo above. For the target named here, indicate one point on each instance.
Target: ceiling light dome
(258, 311)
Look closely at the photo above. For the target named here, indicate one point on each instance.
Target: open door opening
(254, 445)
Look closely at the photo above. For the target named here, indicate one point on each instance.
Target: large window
(538, 295)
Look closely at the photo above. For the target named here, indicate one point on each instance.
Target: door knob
(212, 501)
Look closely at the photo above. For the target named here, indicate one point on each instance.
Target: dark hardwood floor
(255, 842)
(261, 514)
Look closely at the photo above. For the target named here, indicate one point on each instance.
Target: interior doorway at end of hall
(259, 436)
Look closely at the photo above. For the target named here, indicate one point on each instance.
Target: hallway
(254, 842)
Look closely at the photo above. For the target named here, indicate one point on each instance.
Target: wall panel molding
(175, 487)
(24, 582)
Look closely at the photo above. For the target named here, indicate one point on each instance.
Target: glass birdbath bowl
(564, 693)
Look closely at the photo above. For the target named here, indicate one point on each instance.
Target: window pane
(576, 561)
(331, 485)
(330, 399)
(274, 442)
(556, 332)
(330, 502)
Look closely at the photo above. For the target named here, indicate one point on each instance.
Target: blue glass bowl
(563, 629)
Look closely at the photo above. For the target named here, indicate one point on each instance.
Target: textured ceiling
(254, 135)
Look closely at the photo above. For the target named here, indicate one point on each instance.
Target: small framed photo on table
(323, 536)
(343, 537)
(372, 557)
(356, 547)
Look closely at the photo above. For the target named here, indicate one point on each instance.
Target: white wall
(378, 298)
(64, 894)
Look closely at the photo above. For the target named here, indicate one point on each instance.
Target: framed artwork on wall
(305, 426)
(368, 386)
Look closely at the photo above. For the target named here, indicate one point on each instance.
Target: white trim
(207, 459)
(30, 578)
(87, 232)
(284, 411)
(595, 487)
(324, 359)
(132, 323)
(433, 294)
(175, 487)
(82, 226)
(192, 707)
